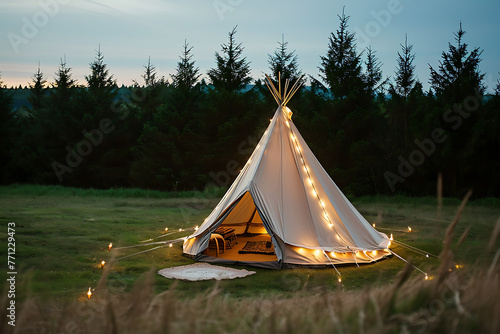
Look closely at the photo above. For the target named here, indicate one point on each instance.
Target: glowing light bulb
(426, 255)
(391, 238)
(180, 230)
(317, 252)
(374, 253)
(196, 228)
(102, 264)
(426, 277)
(333, 254)
(305, 168)
(373, 225)
(331, 225)
(310, 181)
(166, 229)
(110, 245)
(409, 229)
(322, 204)
(89, 294)
(170, 245)
(340, 280)
(314, 192)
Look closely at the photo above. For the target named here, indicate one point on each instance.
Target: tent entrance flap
(244, 217)
(251, 234)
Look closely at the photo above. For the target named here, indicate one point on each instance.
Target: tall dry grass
(454, 301)
(466, 301)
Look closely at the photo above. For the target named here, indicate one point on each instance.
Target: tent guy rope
(170, 233)
(160, 243)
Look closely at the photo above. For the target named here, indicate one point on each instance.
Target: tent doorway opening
(242, 236)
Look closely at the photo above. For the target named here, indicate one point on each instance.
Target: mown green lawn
(62, 235)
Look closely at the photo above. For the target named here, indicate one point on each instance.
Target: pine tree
(284, 63)
(43, 137)
(37, 91)
(6, 127)
(405, 74)
(398, 108)
(341, 67)
(497, 89)
(457, 79)
(55, 125)
(63, 81)
(100, 83)
(373, 74)
(107, 165)
(97, 100)
(60, 98)
(148, 98)
(458, 74)
(187, 74)
(232, 71)
(149, 75)
(5, 102)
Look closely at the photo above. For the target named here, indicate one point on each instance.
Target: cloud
(18, 7)
(133, 7)
(108, 7)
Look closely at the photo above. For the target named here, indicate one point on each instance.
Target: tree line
(372, 134)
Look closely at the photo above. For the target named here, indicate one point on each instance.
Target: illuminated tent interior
(284, 210)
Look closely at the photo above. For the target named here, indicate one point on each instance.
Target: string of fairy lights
(170, 243)
(311, 183)
(158, 244)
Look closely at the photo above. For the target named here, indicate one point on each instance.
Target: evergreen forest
(373, 132)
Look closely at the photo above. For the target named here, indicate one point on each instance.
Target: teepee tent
(283, 209)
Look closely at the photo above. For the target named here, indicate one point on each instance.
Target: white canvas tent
(284, 195)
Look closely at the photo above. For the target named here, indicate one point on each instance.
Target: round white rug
(203, 271)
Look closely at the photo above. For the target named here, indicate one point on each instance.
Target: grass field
(62, 235)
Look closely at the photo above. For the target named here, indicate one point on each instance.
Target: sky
(128, 32)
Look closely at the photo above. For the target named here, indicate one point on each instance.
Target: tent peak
(283, 96)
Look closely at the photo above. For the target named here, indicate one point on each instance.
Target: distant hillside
(20, 97)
